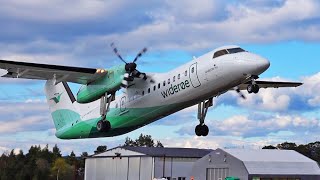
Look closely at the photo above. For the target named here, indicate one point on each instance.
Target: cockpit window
(235, 50)
(220, 53)
(227, 51)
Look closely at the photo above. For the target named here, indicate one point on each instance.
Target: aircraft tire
(107, 125)
(198, 130)
(202, 130)
(205, 130)
(256, 88)
(100, 126)
(250, 88)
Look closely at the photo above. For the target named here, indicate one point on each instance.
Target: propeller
(130, 67)
(237, 89)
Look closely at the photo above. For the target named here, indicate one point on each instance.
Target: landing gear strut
(253, 87)
(104, 125)
(202, 129)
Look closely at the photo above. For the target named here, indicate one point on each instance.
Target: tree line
(42, 163)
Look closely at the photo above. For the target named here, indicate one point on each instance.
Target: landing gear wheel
(256, 88)
(103, 126)
(250, 88)
(198, 130)
(100, 126)
(107, 125)
(253, 88)
(205, 130)
(202, 130)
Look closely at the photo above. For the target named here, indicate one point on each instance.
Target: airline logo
(57, 97)
(175, 89)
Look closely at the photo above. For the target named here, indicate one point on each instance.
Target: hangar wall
(217, 165)
(174, 167)
(124, 168)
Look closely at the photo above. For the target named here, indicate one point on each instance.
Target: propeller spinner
(130, 67)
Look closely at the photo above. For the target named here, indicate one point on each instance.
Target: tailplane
(61, 103)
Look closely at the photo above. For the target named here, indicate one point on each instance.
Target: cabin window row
(167, 82)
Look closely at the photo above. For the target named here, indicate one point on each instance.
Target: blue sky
(78, 33)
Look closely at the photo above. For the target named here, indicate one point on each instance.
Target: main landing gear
(104, 125)
(202, 129)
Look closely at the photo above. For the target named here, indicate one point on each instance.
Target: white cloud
(18, 125)
(193, 29)
(58, 11)
(243, 126)
(214, 142)
(173, 25)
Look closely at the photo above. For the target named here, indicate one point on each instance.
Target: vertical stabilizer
(61, 103)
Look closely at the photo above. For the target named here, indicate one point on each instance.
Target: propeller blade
(144, 50)
(115, 50)
(237, 89)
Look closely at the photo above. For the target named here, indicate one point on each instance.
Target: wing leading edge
(38, 71)
(271, 84)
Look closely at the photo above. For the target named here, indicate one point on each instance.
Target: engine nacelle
(111, 82)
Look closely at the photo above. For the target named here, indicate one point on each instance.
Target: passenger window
(174, 78)
(178, 76)
(192, 70)
(154, 88)
(149, 90)
(168, 81)
(159, 86)
(185, 73)
(164, 83)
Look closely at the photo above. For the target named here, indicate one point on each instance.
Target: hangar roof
(267, 161)
(170, 152)
(128, 151)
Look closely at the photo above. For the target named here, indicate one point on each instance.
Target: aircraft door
(123, 103)
(193, 76)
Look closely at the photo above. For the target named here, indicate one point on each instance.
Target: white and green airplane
(98, 112)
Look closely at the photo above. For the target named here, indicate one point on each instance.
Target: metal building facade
(142, 163)
(255, 165)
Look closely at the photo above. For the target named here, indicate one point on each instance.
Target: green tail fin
(61, 103)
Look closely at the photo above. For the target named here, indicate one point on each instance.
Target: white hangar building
(146, 163)
(142, 163)
(263, 164)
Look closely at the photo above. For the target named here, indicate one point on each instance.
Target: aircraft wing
(27, 70)
(271, 84)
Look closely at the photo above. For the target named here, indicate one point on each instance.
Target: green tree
(84, 154)
(100, 149)
(287, 146)
(43, 169)
(269, 147)
(82, 163)
(61, 169)
(159, 144)
(142, 141)
(56, 152)
(129, 142)
(71, 159)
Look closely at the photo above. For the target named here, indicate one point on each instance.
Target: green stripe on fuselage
(121, 121)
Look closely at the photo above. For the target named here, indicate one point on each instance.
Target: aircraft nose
(262, 64)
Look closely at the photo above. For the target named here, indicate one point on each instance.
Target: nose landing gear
(202, 129)
(253, 87)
